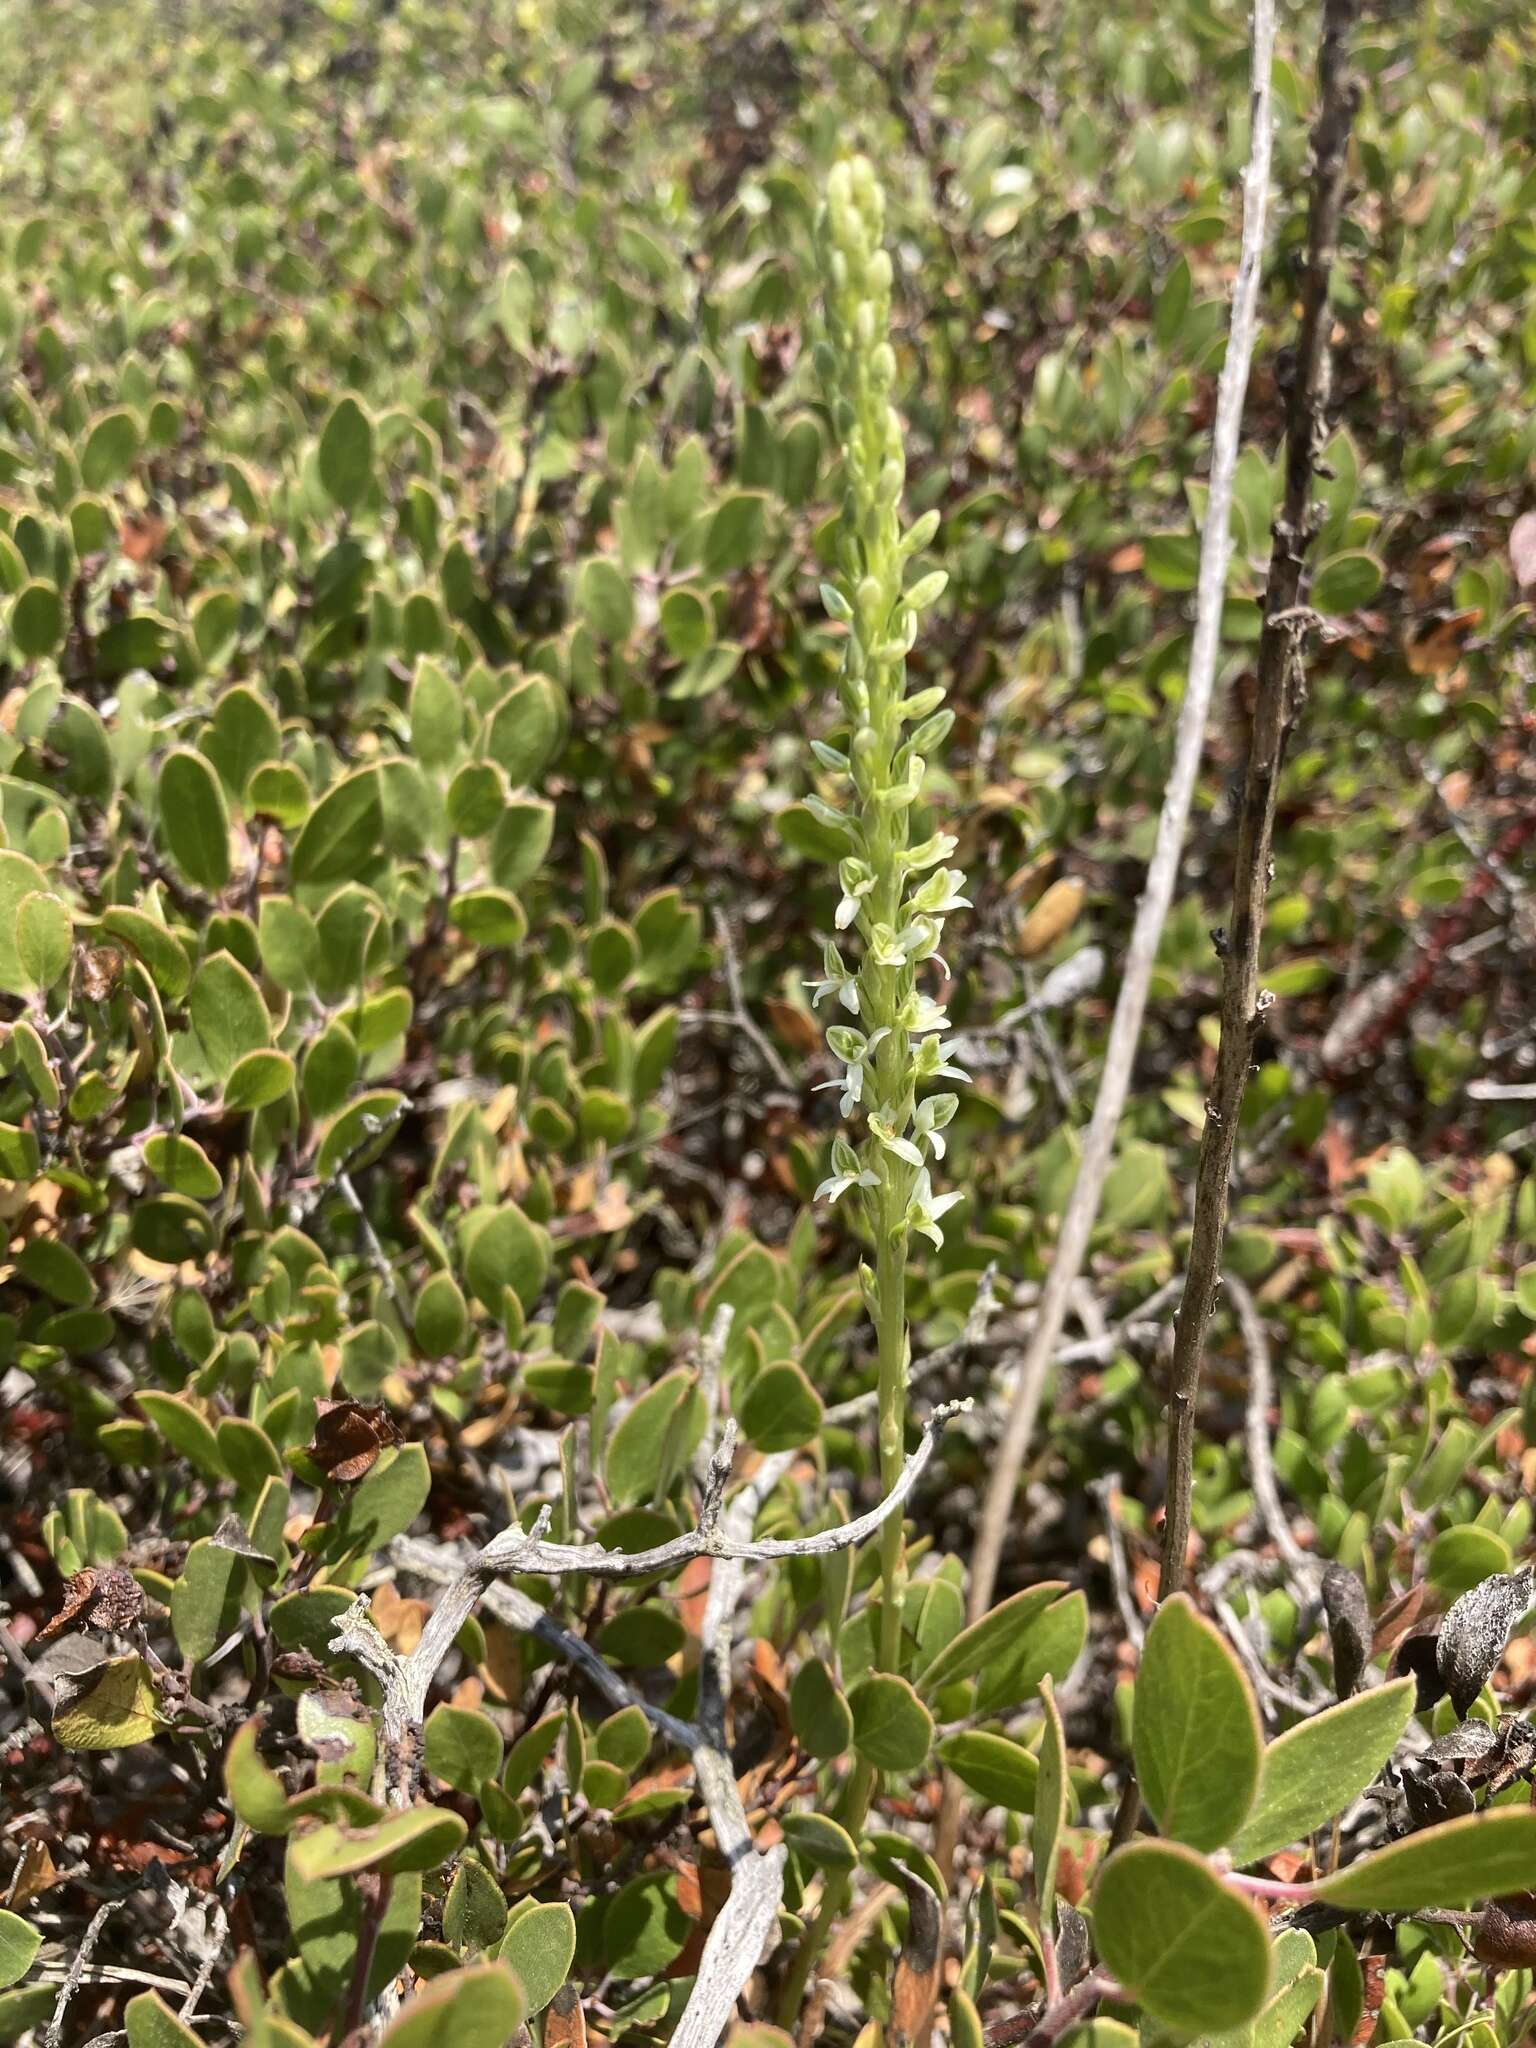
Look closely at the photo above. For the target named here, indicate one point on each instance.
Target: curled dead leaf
(1052, 916)
(349, 1435)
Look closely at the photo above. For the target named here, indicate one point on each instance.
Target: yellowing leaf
(115, 1710)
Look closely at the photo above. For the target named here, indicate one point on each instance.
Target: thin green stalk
(895, 894)
(891, 1281)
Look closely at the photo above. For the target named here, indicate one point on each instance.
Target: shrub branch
(1281, 682)
(1162, 871)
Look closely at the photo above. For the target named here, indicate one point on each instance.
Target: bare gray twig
(1261, 1463)
(79, 1962)
(742, 1017)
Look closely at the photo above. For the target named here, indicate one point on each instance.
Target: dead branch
(1162, 870)
(1280, 684)
(1278, 699)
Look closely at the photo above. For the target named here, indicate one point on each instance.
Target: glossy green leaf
(419, 1839)
(227, 1013)
(463, 1746)
(782, 1409)
(503, 1249)
(109, 451)
(1002, 1772)
(992, 1643)
(1346, 582)
(605, 599)
(818, 1711)
(19, 1944)
(892, 1729)
(341, 834)
(480, 2007)
(150, 2023)
(43, 936)
(475, 1910)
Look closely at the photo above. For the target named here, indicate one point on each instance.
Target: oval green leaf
(1189, 1949)
(1315, 1769)
(1197, 1739)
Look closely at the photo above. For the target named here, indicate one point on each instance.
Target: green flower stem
(891, 1315)
(892, 895)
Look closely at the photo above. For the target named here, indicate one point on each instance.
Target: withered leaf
(230, 1535)
(79, 1588)
(34, 1874)
(1473, 1635)
(101, 969)
(300, 1667)
(1072, 1944)
(565, 2024)
(119, 1601)
(916, 1985)
(1503, 1938)
(349, 1436)
(1468, 1744)
(1435, 1796)
(1349, 1627)
(1416, 1657)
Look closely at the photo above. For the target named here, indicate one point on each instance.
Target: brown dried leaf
(35, 1873)
(916, 1988)
(1436, 651)
(1397, 1617)
(1052, 916)
(565, 2024)
(79, 1589)
(349, 1436)
(1374, 1971)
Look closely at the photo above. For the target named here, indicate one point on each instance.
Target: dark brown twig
(1278, 700)
(1280, 687)
(1162, 870)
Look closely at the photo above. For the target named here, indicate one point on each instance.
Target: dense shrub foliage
(532, 587)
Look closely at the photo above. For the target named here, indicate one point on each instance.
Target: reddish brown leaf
(916, 1987)
(1374, 1971)
(565, 2024)
(349, 1436)
(79, 1591)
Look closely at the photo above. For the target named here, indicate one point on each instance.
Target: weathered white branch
(1162, 870)
(1261, 1463)
(746, 1921)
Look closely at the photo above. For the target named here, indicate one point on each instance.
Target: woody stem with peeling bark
(1278, 700)
(1162, 870)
